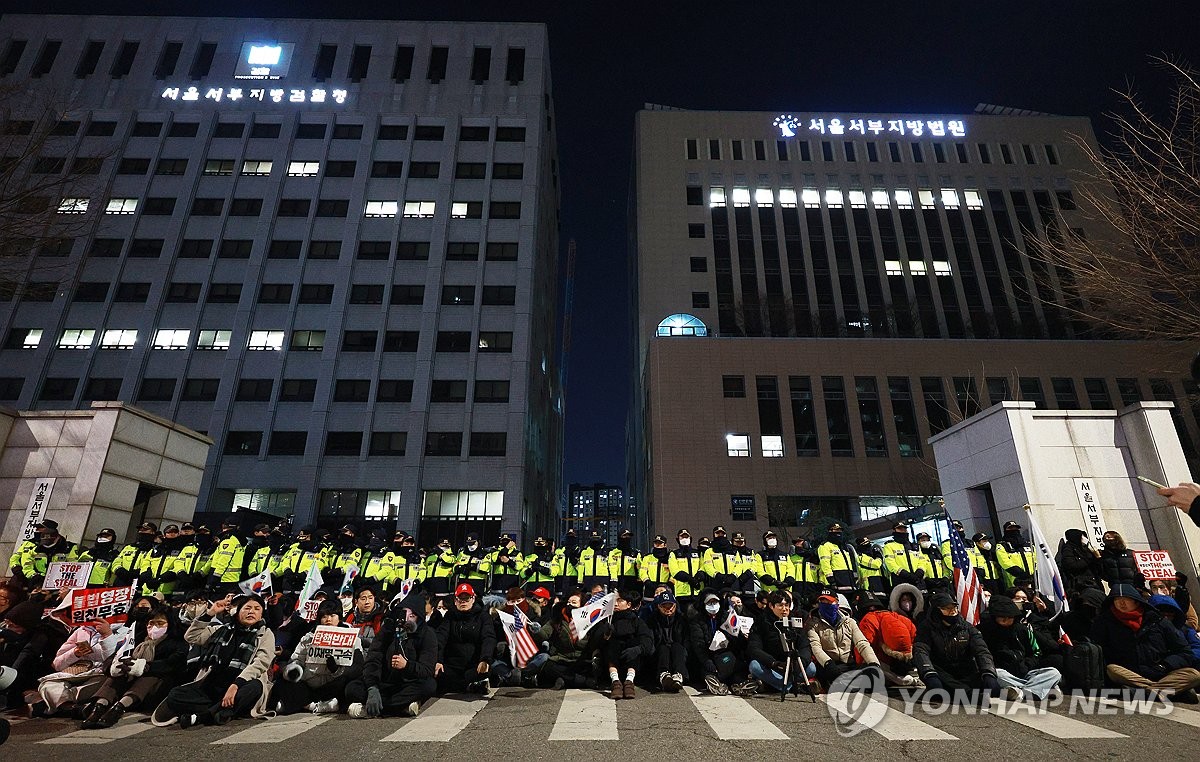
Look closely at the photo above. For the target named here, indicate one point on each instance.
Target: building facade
(819, 294)
(328, 245)
(597, 508)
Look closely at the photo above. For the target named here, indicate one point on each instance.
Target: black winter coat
(420, 648)
(1080, 568)
(958, 649)
(666, 631)
(626, 630)
(1011, 647)
(1118, 567)
(466, 638)
(1154, 650)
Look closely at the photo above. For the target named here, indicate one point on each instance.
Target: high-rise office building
(329, 245)
(597, 507)
(819, 293)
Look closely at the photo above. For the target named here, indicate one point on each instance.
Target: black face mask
(835, 538)
(144, 541)
(346, 541)
(595, 544)
(398, 548)
(624, 542)
(541, 550)
(308, 545)
(1013, 535)
(721, 544)
(900, 537)
(572, 542)
(661, 553)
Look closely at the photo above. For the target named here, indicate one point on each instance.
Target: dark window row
(203, 248)
(897, 151)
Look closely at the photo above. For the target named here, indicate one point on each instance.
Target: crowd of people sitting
(194, 647)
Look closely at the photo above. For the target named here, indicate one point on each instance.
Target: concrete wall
(1033, 456)
(98, 458)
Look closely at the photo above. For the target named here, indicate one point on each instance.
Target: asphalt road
(553, 725)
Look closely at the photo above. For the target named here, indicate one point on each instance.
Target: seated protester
(628, 644)
(570, 662)
(78, 667)
(1044, 620)
(1171, 612)
(669, 632)
(765, 650)
(366, 616)
(285, 620)
(28, 645)
(908, 601)
(891, 637)
(1085, 606)
(466, 644)
(838, 645)
(401, 666)
(317, 686)
(1078, 561)
(646, 605)
(503, 671)
(1177, 589)
(1141, 649)
(713, 648)
(235, 662)
(10, 595)
(949, 652)
(139, 677)
(1117, 565)
(539, 605)
(1020, 666)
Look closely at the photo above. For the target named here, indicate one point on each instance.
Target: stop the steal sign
(1154, 564)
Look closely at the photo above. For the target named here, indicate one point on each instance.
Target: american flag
(966, 582)
(520, 642)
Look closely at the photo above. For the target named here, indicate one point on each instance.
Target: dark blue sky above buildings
(608, 58)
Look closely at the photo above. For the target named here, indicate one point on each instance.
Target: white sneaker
(329, 706)
(1011, 694)
(412, 709)
(357, 711)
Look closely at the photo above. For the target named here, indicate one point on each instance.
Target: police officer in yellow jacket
(227, 559)
(385, 565)
(539, 565)
(16, 562)
(982, 558)
(722, 564)
(944, 548)
(51, 547)
(934, 568)
(624, 562)
(772, 566)
(505, 565)
(406, 564)
(592, 567)
(101, 556)
(1015, 556)
(256, 557)
(870, 566)
(299, 558)
(440, 567)
(902, 562)
(190, 565)
(347, 550)
(655, 566)
(685, 563)
(839, 568)
(806, 569)
(471, 558)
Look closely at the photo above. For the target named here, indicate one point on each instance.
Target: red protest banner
(108, 603)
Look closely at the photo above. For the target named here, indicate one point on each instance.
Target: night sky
(608, 58)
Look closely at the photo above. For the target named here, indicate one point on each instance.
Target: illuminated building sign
(789, 125)
(264, 60)
(317, 95)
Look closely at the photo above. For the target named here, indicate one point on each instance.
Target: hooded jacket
(1085, 607)
(840, 642)
(890, 634)
(1014, 648)
(1155, 649)
(1165, 604)
(420, 648)
(465, 638)
(918, 605)
(1117, 566)
(956, 649)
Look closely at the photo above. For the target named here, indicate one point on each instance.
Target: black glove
(631, 654)
(122, 577)
(168, 578)
(989, 682)
(683, 577)
(789, 581)
(1180, 578)
(710, 668)
(933, 680)
(745, 577)
(374, 705)
(767, 579)
(331, 664)
(919, 573)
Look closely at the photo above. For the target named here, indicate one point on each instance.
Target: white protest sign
(67, 575)
(338, 642)
(1154, 564)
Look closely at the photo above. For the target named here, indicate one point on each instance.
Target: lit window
(949, 198)
(904, 199)
(737, 445)
(73, 206)
(833, 197)
(772, 447)
(941, 268)
(682, 324)
(741, 197)
(973, 199)
(917, 267)
(121, 206)
(811, 198)
(218, 167)
(32, 339)
(716, 196)
(171, 338)
(303, 168)
(74, 338)
(254, 167)
(383, 209)
(879, 198)
(418, 208)
(266, 340)
(763, 197)
(213, 340)
(460, 210)
(858, 199)
(925, 197)
(117, 338)
(893, 267)
(787, 197)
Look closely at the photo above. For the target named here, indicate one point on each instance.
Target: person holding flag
(627, 643)
(569, 665)
(524, 656)
(259, 584)
(968, 589)
(1038, 559)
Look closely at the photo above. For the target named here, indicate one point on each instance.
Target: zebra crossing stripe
(276, 730)
(440, 721)
(585, 716)
(127, 727)
(733, 719)
(894, 726)
(1187, 717)
(1055, 725)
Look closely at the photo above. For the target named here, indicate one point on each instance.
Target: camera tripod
(791, 630)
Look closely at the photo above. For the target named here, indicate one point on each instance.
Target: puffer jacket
(317, 674)
(957, 649)
(1117, 566)
(843, 642)
(420, 648)
(1165, 604)
(1154, 650)
(466, 638)
(889, 633)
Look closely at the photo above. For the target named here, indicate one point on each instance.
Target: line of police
(185, 558)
